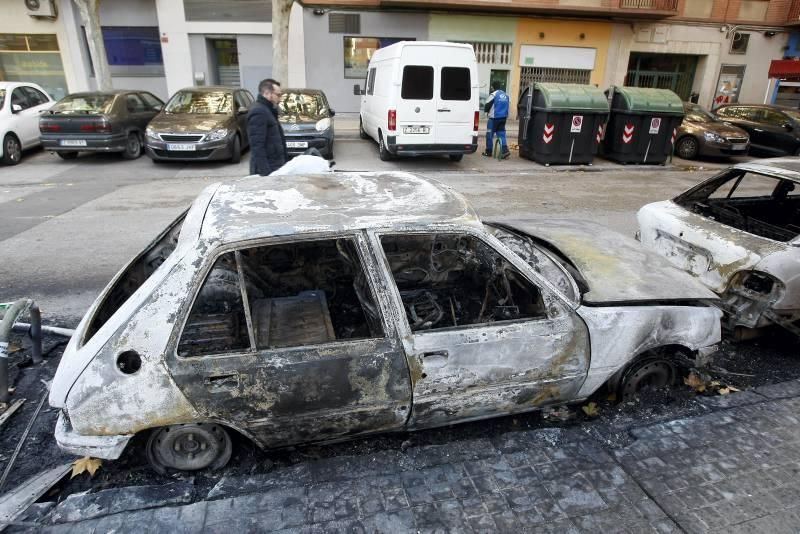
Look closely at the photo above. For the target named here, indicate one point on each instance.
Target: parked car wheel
(189, 447)
(67, 155)
(653, 372)
(133, 147)
(688, 147)
(361, 133)
(12, 150)
(236, 150)
(383, 152)
(456, 157)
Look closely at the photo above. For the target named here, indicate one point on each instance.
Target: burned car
(320, 308)
(739, 234)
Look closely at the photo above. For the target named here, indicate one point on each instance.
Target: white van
(421, 97)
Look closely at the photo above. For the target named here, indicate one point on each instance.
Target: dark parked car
(103, 121)
(703, 134)
(201, 123)
(307, 121)
(774, 130)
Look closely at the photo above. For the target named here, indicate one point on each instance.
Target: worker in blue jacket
(497, 109)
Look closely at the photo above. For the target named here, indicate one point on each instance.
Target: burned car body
(739, 234)
(318, 308)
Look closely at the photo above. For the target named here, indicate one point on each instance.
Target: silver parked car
(317, 308)
(739, 234)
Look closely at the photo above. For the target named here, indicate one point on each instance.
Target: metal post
(36, 333)
(5, 334)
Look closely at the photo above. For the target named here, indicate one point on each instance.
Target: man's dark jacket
(267, 143)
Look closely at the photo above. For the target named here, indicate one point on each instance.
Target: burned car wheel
(644, 374)
(189, 447)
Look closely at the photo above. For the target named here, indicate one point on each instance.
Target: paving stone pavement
(734, 469)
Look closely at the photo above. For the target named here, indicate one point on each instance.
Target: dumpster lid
(572, 96)
(652, 100)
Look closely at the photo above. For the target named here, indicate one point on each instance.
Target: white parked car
(421, 98)
(739, 234)
(21, 103)
(317, 308)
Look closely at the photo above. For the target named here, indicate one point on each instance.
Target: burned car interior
(297, 294)
(452, 280)
(762, 205)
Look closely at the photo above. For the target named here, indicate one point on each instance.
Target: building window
(698, 9)
(755, 10)
(33, 58)
(729, 84)
(492, 53)
(228, 10)
(739, 43)
(359, 50)
(344, 23)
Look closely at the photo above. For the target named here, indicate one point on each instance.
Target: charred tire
(133, 146)
(236, 150)
(189, 447)
(652, 372)
(12, 150)
(456, 157)
(688, 147)
(67, 155)
(383, 152)
(361, 133)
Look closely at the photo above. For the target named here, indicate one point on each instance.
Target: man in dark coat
(267, 143)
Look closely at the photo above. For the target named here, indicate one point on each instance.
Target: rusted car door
(286, 342)
(482, 336)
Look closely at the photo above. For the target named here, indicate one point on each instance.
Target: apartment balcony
(793, 19)
(625, 9)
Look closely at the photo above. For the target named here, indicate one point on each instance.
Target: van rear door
(456, 102)
(416, 107)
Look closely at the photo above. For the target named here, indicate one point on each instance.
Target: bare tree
(281, 9)
(90, 13)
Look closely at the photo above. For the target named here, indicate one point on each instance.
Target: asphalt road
(67, 226)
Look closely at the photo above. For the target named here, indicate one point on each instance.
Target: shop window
(455, 83)
(33, 58)
(753, 10)
(132, 50)
(228, 10)
(417, 82)
(359, 50)
(739, 43)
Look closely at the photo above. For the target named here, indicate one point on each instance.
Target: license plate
(72, 142)
(297, 144)
(738, 147)
(416, 130)
(181, 147)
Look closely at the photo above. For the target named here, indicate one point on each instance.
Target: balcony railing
(654, 5)
(794, 13)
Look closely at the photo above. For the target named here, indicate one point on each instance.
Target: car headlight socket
(216, 135)
(323, 124)
(711, 136)
(151, 134)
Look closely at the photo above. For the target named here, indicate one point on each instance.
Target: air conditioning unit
(41, 8)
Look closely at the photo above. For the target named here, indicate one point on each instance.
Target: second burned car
(318, 308)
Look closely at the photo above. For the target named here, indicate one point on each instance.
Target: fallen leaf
(695, 382)
(612, 397)
(731, 388)
(724, 391)
(714, 384)
(591, 409)
(87, 463)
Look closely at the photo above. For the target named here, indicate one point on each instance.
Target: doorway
(662, 71)
(225, 57)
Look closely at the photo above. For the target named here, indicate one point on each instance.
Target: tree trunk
(90, 13)
(281, 9)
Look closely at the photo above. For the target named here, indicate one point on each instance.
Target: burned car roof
(788, 168)
(258, 206)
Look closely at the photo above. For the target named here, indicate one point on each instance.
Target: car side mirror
(158, 107)
(788, 126)
(242, 110)
(332, 113)
(16, 108)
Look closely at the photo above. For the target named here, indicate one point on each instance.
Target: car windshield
(200, 102)
(84, 104)
(698, 114)
(793, 114)
(2, 97)
(311, 105)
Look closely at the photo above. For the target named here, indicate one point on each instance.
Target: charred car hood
(615, 267)
(188, 122)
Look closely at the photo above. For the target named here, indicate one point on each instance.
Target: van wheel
(383, 152)
(456, 157)
(361, 133)
(133, 147)
(236, 150)
(189, 447)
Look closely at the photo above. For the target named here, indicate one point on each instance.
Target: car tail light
(392, 120)
(96, 127)
(49, 128)
(476, 121)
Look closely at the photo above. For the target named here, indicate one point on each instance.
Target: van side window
(417, 83)
(371, 81)
(455, 84)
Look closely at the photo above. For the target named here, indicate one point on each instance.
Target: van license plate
(416, 130)
(181, 147)
(72, 142)
(296, 144)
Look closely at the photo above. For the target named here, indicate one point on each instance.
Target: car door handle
(220, 383)
(436, 354)
(443, 110)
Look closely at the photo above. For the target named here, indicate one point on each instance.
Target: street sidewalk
(732, 469)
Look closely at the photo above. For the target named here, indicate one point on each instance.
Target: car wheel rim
(13, 149)
(133, 145)
(687, 148)
(654, 374)
(189, 447)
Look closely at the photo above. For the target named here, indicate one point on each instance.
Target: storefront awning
(785, 69)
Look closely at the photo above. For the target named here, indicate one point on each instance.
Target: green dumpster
(561, 122)
(643, 124)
